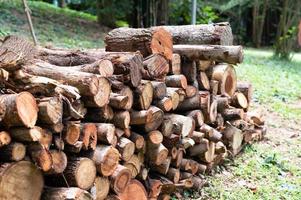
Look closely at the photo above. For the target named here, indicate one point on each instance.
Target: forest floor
(270, 169)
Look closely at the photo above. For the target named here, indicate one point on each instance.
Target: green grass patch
(53, 26)
(276, 83)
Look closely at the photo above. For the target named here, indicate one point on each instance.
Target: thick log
(118, 101)
(121, 119)
(50, 110)
(147, 41)
(106, 159)
(105, 132)
(163, 167)
(226, 76)
(126, 148)
(35, 134)
(138, 140)
(165, 104)
(156, 121)
(127, 65)
(134, 165)
(217, 33)
(125, 91)
(179, 81)
(203, 81)
(63, 193)
(233, 137)
(71, 132)
(20, 109)
(13, 152)
(175, 64)
(197, 116)
(190, 91)
(94, 89)
(233, 113)
(133, 191)
(101, 188)
(159, 90)
(155, 67)
(208, 156)
(199, 148)
(157, 155)
(20, 180)
(103, 114)
(140, 117)
(211, 133)
(40, 156)
(173, 96)
(88, 135)
(199, 101)
(59, 162)
(75, 148)
(15, 51)
(225, 54)
(5, 138)
(143, 95)
(239, 100)
(203, 65)
(182, 125)
(246, 89)
(120, 179)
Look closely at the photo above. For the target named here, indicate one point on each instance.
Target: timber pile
(141, 120)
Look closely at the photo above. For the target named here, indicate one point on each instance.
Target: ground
(270, 169)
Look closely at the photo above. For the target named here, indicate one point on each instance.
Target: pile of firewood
(141, 119)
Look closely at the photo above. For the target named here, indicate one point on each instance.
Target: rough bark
(63, 193)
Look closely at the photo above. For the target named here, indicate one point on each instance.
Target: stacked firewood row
(141, 119)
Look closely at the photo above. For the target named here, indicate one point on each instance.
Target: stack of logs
(142, 119)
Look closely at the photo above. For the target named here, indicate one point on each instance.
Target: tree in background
(287, 29)
(258, 13)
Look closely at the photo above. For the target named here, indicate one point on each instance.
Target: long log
(218, 33)
(226, 54)
(94, 89)
(147, 41)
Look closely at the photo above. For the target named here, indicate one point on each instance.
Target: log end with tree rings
(228, 84)
(133, 191)
(21, 180)
(162, 42)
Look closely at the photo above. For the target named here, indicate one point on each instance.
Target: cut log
(199, 101)
(239, 100)
(190, 91)
(197, 136)
(80, 172)
(203, 81)
(106, 159)
(103, 114)
(256, 116)
(211, 133)
(63, 193)
(155, 67)
(217, 33)
(197, 116)
(203, 65)
(210, 117)
(94, 89)
(126, 91)
(121, 119)
(162, 168)
(233, 137)
(118, 101)
(177, 162)
(159, 90)
(174, 97)
(164, 197)
(140, 117)
(14, 52)
(179, 81)
(40, 156)
(213, 87)
(222, 103)
(182, 125)
(246, 89)
(153, 187)
(59, 162)
(5, 138)
(20, 180)
(226, 76)
(101, 188)
(208, 156)
(75, 148)
(156, 121)
(199, 148)
(147, 41)
(127, 65)
(13, 152)
(157, 155)
(133, 191)
(143, 95)
(126, 148)
(134, 165)
(120, 179)
(154, 139)
(20, 109)
(88, 135)
(175, 64)
(50, 110)
(224, 54)
(186, 142)
(233, 114)
(35, 134)
(71, 132)
(173, 174)
(138, 140)
(105, 132)
(189, 70)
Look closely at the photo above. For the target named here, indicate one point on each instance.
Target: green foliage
(283, 47)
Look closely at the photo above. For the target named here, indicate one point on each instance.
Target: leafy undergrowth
(53, 25)
(276, 83)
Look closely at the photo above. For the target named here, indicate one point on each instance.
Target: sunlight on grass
(277, 83)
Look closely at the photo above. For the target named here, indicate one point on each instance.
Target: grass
(276, 83)
(53, 25)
